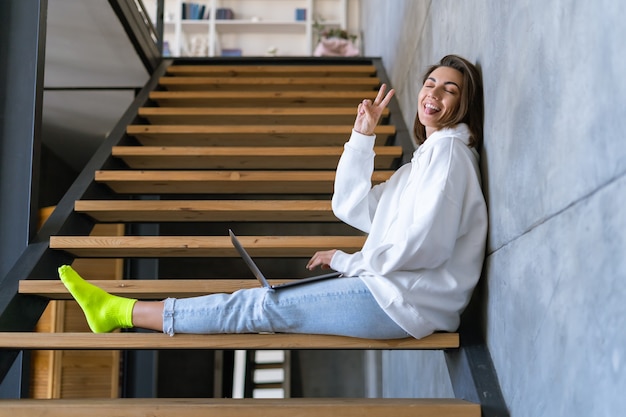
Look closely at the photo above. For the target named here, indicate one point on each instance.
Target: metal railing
(143, 35)
(20, 312)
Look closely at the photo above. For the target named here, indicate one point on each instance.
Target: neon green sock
(104, 312)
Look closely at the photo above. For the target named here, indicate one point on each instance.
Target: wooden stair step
(250, 115)
(290, 99)
(224, 182)
(112, 211)
(145, 289)
(105, 341)
(194, 157)
(200, 246)
(250, 135)
(272, 70)
(270, 83)
(226, 407)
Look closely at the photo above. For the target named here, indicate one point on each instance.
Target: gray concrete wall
(554, 164)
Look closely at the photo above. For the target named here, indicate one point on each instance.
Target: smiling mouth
(431, 108)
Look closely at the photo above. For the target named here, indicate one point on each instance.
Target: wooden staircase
(247, 147)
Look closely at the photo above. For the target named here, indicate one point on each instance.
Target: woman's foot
(104, 312)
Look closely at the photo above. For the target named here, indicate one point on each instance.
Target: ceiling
(91, 71)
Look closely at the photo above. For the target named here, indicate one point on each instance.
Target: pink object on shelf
(335, 47)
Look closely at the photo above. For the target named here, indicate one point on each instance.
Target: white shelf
(248, 26)
(259, 25)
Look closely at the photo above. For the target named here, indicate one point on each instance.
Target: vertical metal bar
(22, 30)
(22, 56)
(160, 11)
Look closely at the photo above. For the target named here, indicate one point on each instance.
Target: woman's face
(439, 98)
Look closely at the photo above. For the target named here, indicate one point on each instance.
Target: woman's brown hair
(470, 109)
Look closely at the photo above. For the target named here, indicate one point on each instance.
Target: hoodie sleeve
(429, 240)
(354, 200)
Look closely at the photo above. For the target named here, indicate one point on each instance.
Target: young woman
(422, 258)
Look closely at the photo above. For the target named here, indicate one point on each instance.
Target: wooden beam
(207, 210)
(291, 99)
(107, 341)
(211, 407)
(273, 70)
(270, 83)
(205, 157)
(250, 135)
(200, 246)
(250, 115)
(144, 289)
(224, 182)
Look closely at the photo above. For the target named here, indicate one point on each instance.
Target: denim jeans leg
(341, 306)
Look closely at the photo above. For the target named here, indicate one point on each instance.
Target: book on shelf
(194, 11)
(231, 52)
(300, 15)
(197, 11)
(223, 13)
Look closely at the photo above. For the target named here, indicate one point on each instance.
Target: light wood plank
(207, 210)
(26, 340)
(258, 99)
(211, 407)
(250, 115)
(250, 135)
(224, 182)
(273, 70)
(200, 246)
(145, 289)
(203, 157)
(270, 83)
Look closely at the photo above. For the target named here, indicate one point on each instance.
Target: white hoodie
(426, 228)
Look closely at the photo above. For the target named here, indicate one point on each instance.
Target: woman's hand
(322, 259)
(368, 113)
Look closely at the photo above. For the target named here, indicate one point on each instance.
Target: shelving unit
(259, 27)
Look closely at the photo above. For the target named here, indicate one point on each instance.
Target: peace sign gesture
(368, 113)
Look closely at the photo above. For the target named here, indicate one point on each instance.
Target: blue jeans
(341, 306)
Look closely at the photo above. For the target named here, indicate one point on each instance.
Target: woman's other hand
(321, 259)
(369, 113)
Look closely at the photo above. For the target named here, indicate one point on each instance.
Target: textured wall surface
(554, 168)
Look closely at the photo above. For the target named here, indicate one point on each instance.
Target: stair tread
(307, 99)
(247, 115)
(247, 111)
(92, 341)
(250, 135)
(201, 246)
(145, 289)
(343, 83)
(206, 210)
(228, 407)
(203, 157)
(224, 182)
(272, 70)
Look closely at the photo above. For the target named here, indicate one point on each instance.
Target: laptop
(259, 275)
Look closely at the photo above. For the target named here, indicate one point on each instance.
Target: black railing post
(159, 24)
(22, 53)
